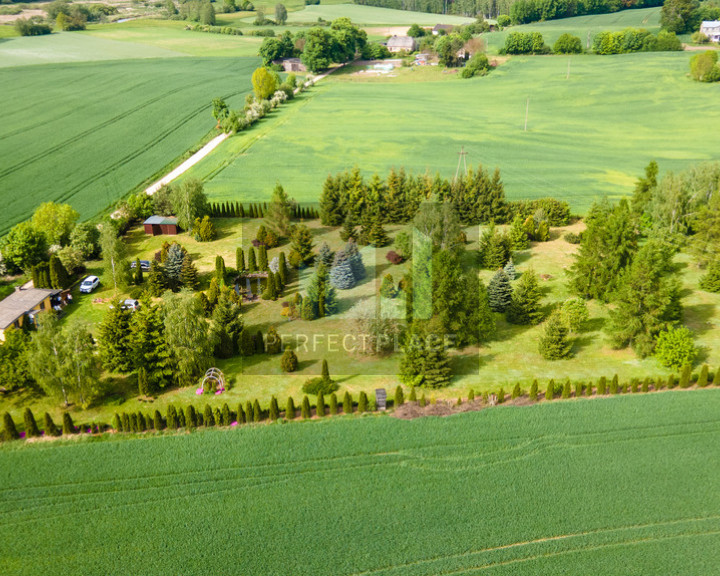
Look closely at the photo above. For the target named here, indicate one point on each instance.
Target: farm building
(711, 29)
(401, 44)
(26, 303)
(157, 225)
(291, 64)
(442, 29)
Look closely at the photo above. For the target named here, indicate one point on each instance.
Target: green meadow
(588, 136)
(619, 486)
(372, 15)
(107, 112)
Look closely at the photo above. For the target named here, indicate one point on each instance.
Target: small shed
(401, 44)
(157, 225)
(442, 28)
(291, 64)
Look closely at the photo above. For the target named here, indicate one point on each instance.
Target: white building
(711, 29)
(401, 44)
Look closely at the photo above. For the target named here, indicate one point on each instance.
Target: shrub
(645, 385)
(501, 395)
(568, 44)
(588, 389)
(534, 391)
(602, 386)
(362, 403)
(394, 258)
(566, 389)
(288, 361)
(672, 382)
(274, 409)
(333, 404)
(399, 397)
(675, 347)
(68, 425)
(347, 403)
(191, 419)
(171, 418)
(52, 430)
(710, 281)
(578, 389)
(305, 410)
(702, 380)
(31, 427)
(614, 385)
(716, 378)
(320, 406)
(9, 430)
(423, 402)
(634, 385)
(550, 391)
(158, 423)
(208, 417)
(572, 238)
(471, 395)
(686, 376)
(516, 393)
(257, 411)
(290, 409)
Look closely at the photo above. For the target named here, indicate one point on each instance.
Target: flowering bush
(394, 258)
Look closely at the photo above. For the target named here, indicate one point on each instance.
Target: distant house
(157, 225)
(711, 29)
(401, 44)
(23, 305)
(291, 64)
(447, 28)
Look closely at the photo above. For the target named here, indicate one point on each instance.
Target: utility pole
(461, 158)
(527, 109)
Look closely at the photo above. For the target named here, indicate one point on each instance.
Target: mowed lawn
(88, 133)
(588, 136)
(617, 486)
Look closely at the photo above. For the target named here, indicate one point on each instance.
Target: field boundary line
(214, 143)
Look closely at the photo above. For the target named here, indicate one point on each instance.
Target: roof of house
(21, 302)
(443, 27)
(401, 42)
(161, 220)
(710, 24)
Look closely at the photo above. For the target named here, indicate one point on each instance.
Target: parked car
(144, 265)
(130, 304)
(89, 284)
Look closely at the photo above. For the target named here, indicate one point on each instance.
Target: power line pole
(461, 158)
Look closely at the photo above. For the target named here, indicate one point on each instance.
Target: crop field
(588, 136)
(624, 483)
(372, 15)
(98, 129)
(582, 26)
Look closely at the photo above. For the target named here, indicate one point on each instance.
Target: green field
(616, 486)
(582, 26)
(588, 136)
(95, 130)
(372, 15)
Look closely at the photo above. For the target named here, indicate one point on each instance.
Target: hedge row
(238, 210)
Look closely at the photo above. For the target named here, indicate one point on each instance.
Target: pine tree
(257, 412)
(387, 287)
(554, 343)
(347, 403)
(355, 258)
(377, 236)
(305, 409)
(325, 255)
(333, 405)
(362, 403)
(156, 284)
(516, 393)
(68, 425)
(31, 427)
(534, 391)
(509, 269)
(686, 376)
(173, 265)
(320, 406)
(274, 409)
(51, 429)
(703, 378)
(189, 275)
(500, 292)
(399, 397)
(9, 430)
(239, 259)
(341, 273)
(518, 235)
(348, 231)
(208, 417)
(290, 409)
(710, 282)
(252, 263)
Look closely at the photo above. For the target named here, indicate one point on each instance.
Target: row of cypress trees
(238, 210)
(10, 431)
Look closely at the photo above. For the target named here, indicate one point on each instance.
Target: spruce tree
(290, 409)
(333, 404)
(534, 391)
(341, 273)
(320, 406)
(377, 236)
(68, 425)
(494, 248)
(189, 275)
(525, 303)
(362, 403)
(156, 283)
(509, 269)
(31, 427)
(302, 243)
(387, 287)
(325, 255)
(518, 235)
(274, 409)
(9, 430)
(703, 378)
(138, 277)
(158, 421)
(239, 260)
(348, 230)
(50, 428)
(554, 343)
(500, 292)
(305, 409)
(331, 201)
(686, 376)
(543, 231)
(710, 282)
(257, 411)
(355, 258)
(208, 416)
(252, 262)
(173, 265)
(113, 340)
(347, 403)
